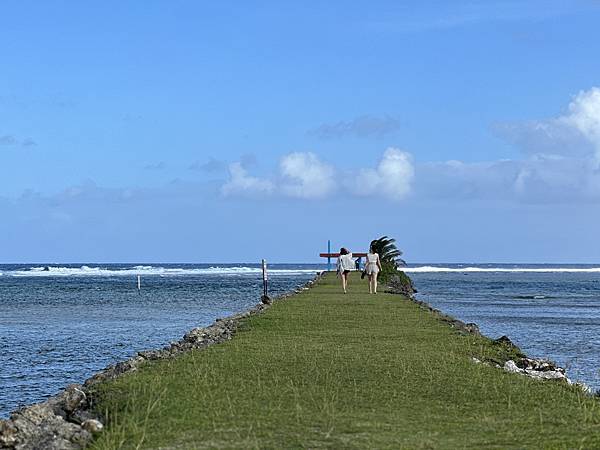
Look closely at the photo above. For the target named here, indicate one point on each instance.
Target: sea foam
(51, 271)
(432, 269)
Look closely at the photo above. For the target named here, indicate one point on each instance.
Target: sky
(186, 131)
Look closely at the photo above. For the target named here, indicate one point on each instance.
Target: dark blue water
(61, 326)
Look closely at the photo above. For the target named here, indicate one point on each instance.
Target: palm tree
(388, 252)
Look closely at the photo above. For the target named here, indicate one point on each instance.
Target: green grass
(323, 369)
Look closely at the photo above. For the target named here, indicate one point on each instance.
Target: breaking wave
(431, 269)
(85, 270)
(50, 271)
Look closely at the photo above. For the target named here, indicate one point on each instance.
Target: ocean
(61, 325)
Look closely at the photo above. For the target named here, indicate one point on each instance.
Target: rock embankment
(401, 284)
(62, 422)
(536, 368)
(68, 421)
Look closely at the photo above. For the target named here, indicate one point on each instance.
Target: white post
(139, 280)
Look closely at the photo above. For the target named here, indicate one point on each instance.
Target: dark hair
(372, 246)
(344, 251)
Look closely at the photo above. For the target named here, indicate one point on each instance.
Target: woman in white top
(345, 264)
(372, 268)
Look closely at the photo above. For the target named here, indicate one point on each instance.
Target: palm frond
(386, 247)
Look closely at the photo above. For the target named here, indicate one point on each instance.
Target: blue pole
(328, 258)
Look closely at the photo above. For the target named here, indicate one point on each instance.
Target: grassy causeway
(323, 369)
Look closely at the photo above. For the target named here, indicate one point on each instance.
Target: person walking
(345, 264)
(372, 268)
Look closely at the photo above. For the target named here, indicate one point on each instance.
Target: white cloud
(584, 116)
(551, 178)
(562, 162)
(242, 183)
(537, 178)
(392, 178)
(554, 137)
(575, 133)
(305, 176)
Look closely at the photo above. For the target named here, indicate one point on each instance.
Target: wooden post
(265, 279)
(328, 258)
(265, 297)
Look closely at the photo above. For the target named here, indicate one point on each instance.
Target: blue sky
(230, 131)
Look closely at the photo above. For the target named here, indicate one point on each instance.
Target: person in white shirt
(372, 268)
(345, 264)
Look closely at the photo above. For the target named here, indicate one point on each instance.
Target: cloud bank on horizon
(561, 161)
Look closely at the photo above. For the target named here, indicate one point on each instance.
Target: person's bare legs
(344, 281)
(370, 283)
(375, 275)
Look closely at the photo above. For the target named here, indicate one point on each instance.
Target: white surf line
(149, 271)
(431, 269)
